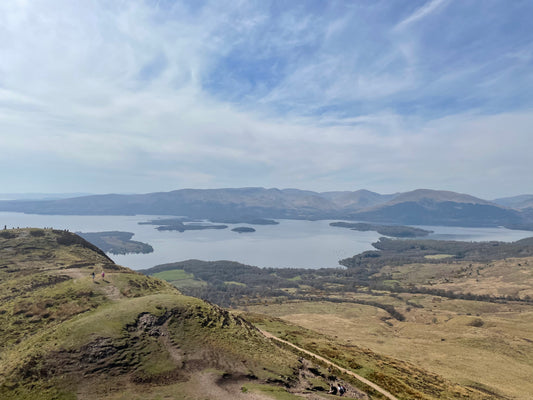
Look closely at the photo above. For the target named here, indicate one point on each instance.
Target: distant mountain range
(39, 196)
(518, 202)
(418, 207)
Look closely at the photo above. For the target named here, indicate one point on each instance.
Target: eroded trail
(344, 370)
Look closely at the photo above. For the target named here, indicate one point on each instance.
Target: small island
(180, 225)
(243, 229)
(245, 220)
(116, 242)
(398, 231)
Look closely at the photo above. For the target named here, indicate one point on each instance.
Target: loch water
(291, 243)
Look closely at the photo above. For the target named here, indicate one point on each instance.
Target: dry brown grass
(479, 344)
(508, 277)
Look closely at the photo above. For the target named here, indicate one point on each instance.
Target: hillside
(430, 207)
(360, 199)
(519, 202)
(122, 335)
(418, 207)
(209, 203)
(66, 335)
(438, 196)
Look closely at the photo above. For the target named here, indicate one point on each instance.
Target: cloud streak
(429, 8)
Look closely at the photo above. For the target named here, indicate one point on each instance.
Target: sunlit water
(292, 243)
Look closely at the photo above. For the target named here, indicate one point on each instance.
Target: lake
(292, 243)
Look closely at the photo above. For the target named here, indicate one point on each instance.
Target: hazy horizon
(56, 196)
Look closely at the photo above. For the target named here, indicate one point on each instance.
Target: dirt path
(348, 372)
(74, 273)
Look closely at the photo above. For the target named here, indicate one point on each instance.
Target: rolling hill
(431, 207)
(67, 335)
(418, 207)
(517, 202)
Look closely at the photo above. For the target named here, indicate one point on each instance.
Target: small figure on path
(103, 274)
(92, 275)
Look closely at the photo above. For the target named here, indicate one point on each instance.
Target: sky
(140, 96)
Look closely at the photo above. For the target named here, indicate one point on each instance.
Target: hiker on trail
(342, 390)
(103, 274)
(333, 389)
(93, 275)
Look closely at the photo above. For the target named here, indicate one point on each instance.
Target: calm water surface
(292, 243)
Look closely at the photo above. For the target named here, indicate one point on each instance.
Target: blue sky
(142, 96)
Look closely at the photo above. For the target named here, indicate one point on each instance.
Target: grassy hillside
(124, 335)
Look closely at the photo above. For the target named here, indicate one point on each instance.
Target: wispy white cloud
(103, 96)
(430, 7)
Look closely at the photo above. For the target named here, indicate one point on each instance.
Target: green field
(173, 275)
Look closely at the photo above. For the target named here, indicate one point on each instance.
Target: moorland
(461, 310)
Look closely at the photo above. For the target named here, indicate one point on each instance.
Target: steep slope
(68, 335)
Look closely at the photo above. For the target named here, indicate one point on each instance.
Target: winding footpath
(346, 371)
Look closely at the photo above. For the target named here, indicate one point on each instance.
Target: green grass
(25, 393)
(110, 320)
(184, 284)
(181, 279)
(154, 360)
(173, 275)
